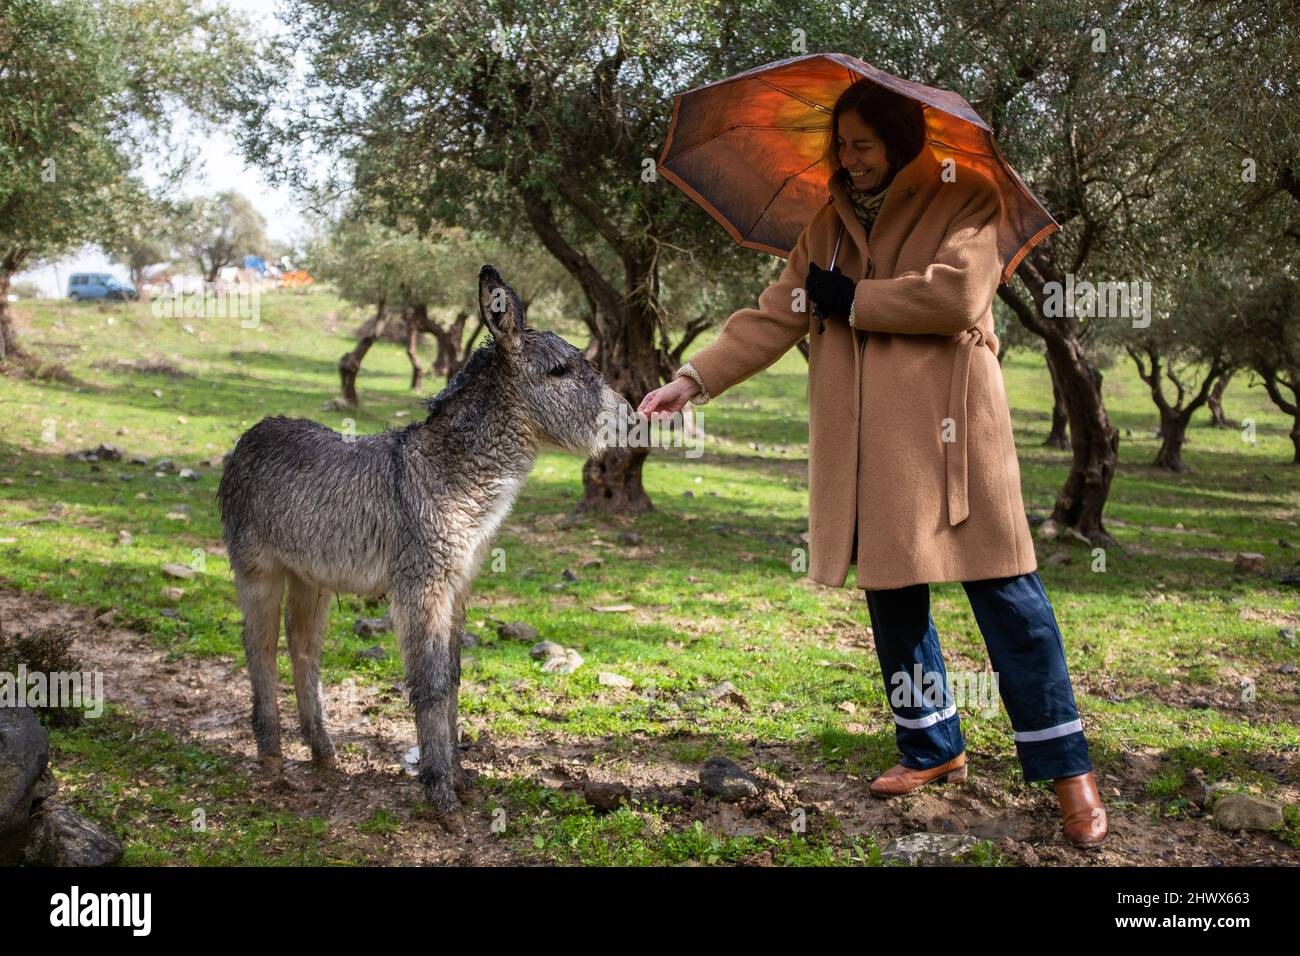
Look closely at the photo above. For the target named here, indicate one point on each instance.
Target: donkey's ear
(500, 309)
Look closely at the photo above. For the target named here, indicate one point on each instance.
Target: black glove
(832, 291)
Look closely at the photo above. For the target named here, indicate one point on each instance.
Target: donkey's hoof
(441, 797)
(324, 762)
(467, 779)
(447, 812)
(271, 763)
(453, 821)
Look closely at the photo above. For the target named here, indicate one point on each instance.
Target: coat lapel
(911, 179)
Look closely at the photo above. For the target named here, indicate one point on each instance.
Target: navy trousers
(1028, 656)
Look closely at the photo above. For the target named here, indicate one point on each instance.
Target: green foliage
(80, 87)
(217, 231)
(48, 651)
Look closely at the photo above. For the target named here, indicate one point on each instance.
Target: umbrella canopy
(750, 150)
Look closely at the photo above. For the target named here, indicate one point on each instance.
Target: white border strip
(1060, 730)
(920, 723)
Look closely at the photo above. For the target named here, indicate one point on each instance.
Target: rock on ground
(928, 849)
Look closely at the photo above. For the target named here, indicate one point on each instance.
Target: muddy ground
(207, 701)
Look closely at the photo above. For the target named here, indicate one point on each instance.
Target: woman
(912, 467)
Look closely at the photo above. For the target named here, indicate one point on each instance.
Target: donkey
(410, 513)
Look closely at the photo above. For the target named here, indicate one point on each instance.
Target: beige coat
(921, 464)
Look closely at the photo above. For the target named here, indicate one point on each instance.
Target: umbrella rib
(956, 149)
(793, 95)
(686, 152)
(762, 212)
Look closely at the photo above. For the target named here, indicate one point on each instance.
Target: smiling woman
(912, 464)
(878, 133)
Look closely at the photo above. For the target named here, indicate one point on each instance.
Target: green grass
(1165, 625)
(179, 803)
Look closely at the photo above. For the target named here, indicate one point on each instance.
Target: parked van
(99, 285)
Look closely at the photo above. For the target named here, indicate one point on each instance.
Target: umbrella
(749, 149)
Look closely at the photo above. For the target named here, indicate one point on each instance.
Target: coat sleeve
(754, 338)
(954, 292)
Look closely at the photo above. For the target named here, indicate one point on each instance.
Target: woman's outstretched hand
(670, 398)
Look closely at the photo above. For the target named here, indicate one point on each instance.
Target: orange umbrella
(749, 149)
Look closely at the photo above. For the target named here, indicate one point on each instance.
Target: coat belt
(955, 451)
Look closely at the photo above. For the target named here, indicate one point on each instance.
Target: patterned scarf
(866, 203)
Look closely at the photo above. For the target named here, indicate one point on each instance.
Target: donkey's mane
(477, 364)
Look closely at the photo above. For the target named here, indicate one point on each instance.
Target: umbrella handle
(835, 254)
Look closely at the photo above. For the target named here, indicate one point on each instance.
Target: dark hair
(897, 120)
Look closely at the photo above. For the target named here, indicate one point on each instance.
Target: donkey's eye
(559, 370)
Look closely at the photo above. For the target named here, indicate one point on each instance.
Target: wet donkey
(410, 513)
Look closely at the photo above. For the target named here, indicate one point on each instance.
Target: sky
(220, 168)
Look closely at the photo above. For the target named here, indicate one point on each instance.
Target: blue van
(99, 285)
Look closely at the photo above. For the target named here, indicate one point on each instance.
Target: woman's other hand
(669, 398)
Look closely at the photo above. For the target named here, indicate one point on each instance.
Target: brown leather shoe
(899, 779)
(1083, 816)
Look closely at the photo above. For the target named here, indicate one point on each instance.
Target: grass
(179, 803)
(1164, 632)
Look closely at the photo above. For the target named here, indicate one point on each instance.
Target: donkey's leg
(423, 617)
(459, 779)
(462, 779)
(305, 612)
(259, 599)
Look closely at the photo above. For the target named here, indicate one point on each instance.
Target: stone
(517, 631)
(726, 780)
(545, 649)
(565, 663)
(726, 693)
(605, 797)
(24, 757)
(614, 680)
(1248, 562)
(928, 849)
(63, 837)
(182, 571)
(372, 626)
(1244, 811)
